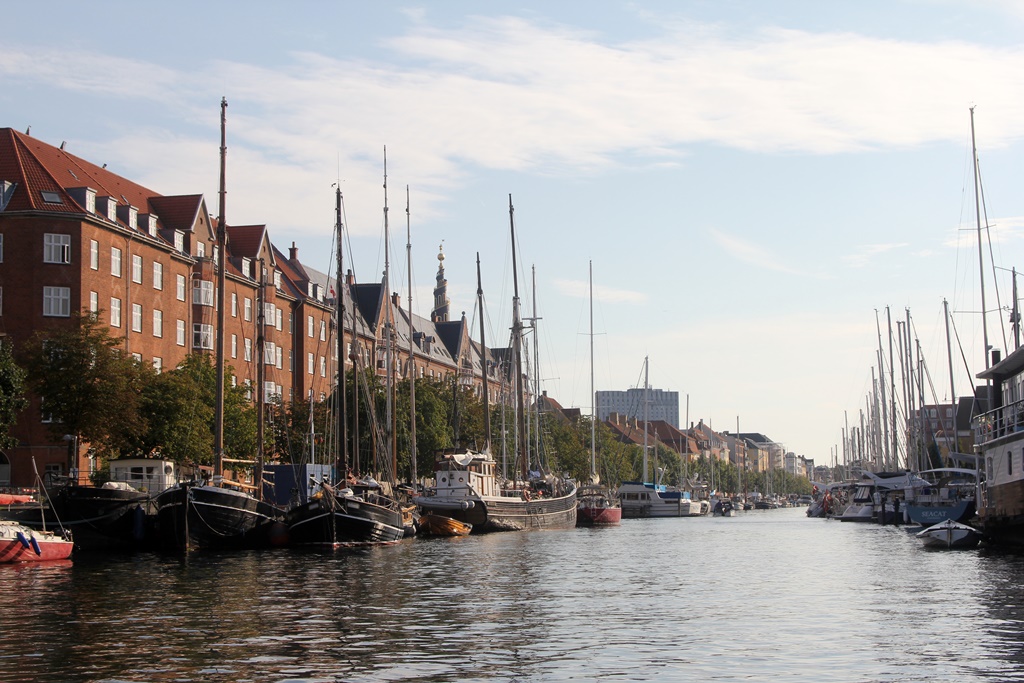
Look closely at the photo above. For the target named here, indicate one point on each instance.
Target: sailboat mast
(357, 370)
(981, 253)
(536, 368)
(593, 396)
(483, 358)
(222, 226)
(517, 333)
(261, 371)
(645, 417)
(412, 360)
(341, 424)
(388, 330)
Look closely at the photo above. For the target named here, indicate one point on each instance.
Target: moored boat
(19, 543)
(358, 514)
(192, 516)
(468, 489)
(643, 500)
(949, 534)
(432, 524)
(597, 507)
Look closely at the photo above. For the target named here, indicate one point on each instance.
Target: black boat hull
(338, 521)
(193, 517)
(98, 518)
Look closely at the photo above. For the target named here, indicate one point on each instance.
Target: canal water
(767, 595)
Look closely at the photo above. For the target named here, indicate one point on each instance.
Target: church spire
(440, 312)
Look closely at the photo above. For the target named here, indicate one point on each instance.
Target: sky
(754, 185)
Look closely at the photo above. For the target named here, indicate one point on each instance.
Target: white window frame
(94, 302)
(94, 254)
(179, 332)
(115, 262)
(247, 309)
(234, 346)
(310, 363)
(202, 292)
(136, 317)
(234, 304)
(115, 312)
(310, 326)
(57, 302)
(158, 323)
(202, 336)
(158, 275)
(137, 268)
(247, 350)
(56, 248)
(180, 285)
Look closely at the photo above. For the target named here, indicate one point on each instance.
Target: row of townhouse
(75, 237)
(750, 451)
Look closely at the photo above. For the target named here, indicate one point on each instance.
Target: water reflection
(768, 594)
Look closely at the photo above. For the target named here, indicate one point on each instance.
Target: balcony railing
(998, 423)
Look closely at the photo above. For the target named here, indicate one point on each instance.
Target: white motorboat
(949, 534)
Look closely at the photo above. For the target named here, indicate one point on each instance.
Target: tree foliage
(12, 395)
(87, 385)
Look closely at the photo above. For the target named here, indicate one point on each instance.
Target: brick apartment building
(75, 237)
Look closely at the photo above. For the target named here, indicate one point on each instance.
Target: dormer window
(107, 207)
(179, 240)
(6, 192)
(246, 267)
(200, 249)
(277, 279)
(149, 223)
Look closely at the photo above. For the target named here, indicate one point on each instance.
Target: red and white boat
(19, 543)
(597, 506)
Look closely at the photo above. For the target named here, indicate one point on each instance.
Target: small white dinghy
(949, 534)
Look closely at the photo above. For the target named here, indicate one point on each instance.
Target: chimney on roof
(62, 143)
(293, 253)
(396, 300)
(350, 279)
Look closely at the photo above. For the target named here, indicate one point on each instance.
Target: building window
(280, 318)
(310, 363)
(323, 330)
(158, 323)
(200, 249)
(234, 346)
(94, 302)
(158, 275)
(269, 353)
(94, 254)
(180, 332)
(234, 305)
(158, 364)
(202, 336)
(268, 314)
(57, 302)
(180, 279)
(309, 327)
(277, 279)
(323, 366)
(136, 317)
(56, 248)
(115, 262)
(179, 241)
(280, 357)
(202, 292)
(137, 268)
(115, 312)
(247, 309)
(248, 350)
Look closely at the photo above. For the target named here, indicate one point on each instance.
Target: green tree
(12, 395)
(87, 385)
(179, 410)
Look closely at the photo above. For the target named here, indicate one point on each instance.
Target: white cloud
(751, 253)
(503, 93)
(866, 253)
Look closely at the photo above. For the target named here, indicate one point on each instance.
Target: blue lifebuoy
(23, 539)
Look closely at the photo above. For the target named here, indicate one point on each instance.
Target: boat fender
(23, 539)
(468, 505)
(35, 546)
